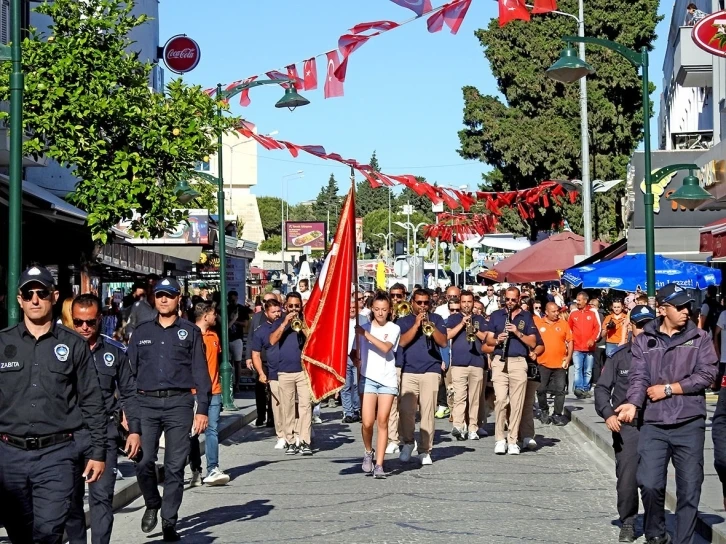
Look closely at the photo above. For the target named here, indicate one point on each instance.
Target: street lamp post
(387, 238)
(411, 227)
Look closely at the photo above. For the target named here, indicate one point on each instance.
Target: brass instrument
(472, 327)
(402, 309)
(297, 324)
(427, 327)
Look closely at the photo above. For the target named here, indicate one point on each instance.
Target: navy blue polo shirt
(288, 348)
(261, 343)
(524, 323)
(171, 358)
(465, 353)
(423, 354)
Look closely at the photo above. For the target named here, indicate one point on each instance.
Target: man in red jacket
(585, 334)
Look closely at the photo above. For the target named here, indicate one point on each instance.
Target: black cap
(36, 274)
(167, 285)
(673, 294)
(641, 313)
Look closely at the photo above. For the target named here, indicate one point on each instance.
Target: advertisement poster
(358, 230)
(193, 231)
(299, 234)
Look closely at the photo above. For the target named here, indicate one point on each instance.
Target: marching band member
(398, 295)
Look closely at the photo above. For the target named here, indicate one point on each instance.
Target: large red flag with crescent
(327, 312)
(333, 86)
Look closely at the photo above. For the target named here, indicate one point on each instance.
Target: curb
(705, 526)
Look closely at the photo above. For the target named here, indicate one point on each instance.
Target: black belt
(36, 442)
(164, 393)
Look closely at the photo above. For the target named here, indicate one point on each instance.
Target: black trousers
(100, 493)
(625, 444)
(658, 445)
(263, 400)
(35, 492)
(174, 416)
(553, 380)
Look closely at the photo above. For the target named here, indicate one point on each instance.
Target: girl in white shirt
(379, 381)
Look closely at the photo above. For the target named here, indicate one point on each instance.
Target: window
(202, 166)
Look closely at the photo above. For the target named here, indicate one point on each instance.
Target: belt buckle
(32, 443)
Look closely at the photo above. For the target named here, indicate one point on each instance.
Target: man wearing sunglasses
(262, 399)
(673, 363)
(397, 292)
(421, 372)
(167, 354)
(114, 374)
(49, 392)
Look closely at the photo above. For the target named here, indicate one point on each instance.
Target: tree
(272, 244)
(368, 199)
(421, 204)
(88, 106)
(328, 201)
(535, 135)
(301, 212)
(270, 214)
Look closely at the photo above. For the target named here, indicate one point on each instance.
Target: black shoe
(260, 423)
(305, 449)
(627, 533)
(291, 449)
(270, 423)
(348, 419)
(356, 417)
(559, 421)
(545, 418)
(659, 540)
(170, 534)
(149, 520)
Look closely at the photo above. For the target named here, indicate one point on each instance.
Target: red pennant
(544, 6)
(333, 86)
(292, 74)
(348, 43)
(509, 10)
(383, 26)
(310, 74)
(419, 7)
(451, 14)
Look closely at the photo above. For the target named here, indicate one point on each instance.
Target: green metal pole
(15, 200)
(648, 197)
(225, 369)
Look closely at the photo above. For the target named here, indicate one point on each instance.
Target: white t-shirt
(443, 311)
(722, 323)
(375, 365)
(362, 320)
(491, 305)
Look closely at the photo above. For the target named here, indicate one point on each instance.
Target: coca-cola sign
(710, 34)
(181, 54)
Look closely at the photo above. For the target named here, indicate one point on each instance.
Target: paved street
(562, 493)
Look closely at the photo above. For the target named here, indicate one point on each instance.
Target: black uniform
(114, 373)
(610, 392)
(168, 362)
(48, 391)
(263, 400)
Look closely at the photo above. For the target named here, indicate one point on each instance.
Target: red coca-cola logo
(710, 34)
(181, 54)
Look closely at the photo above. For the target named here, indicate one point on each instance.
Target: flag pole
(355, 272)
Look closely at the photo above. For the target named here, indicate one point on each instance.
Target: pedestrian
(719, 344)
(513, 334)
(303, 288)
(553, 363)
(205, 317)
(349, 395)
(66, 317)
(379, 380)
(263, 400)
(167, 353)
(710, 311)
(397, 293)
(610, 392)
(615, 329)
(585, 333)
(422, 334)
(38, 457)
(118, 389)
(693, 15)
(143, 309)
(445, 396)
(673, 364)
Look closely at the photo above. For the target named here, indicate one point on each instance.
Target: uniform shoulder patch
(182, 334)
(109, 358)
(61, 352)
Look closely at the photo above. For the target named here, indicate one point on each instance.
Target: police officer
(610, 392)
(49, 391)
(167, 354)
(114, 373)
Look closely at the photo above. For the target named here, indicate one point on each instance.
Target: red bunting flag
(544, 6)
(383, 26)
(509, 10)
(419, 7)
(310, 74)
(244, 97)
(451, 14)
(325, 354)
(348, 43)
(333, 86)
(292, 74)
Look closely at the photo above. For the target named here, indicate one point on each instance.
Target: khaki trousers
(292, 384)
(448, 382)
(393, 418)
(277, 410)
(418, 390)
(526, 427)
(467, 382)
(510, 385)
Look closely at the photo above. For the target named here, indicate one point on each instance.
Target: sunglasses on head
(27, 294)
(89, 322)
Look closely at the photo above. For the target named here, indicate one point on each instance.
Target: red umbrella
(544, 261)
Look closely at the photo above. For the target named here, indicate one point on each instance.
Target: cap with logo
(168, 285)
(673, 294)
(641, 313)
(36, 274)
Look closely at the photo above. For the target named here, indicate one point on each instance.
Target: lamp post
(282, 218)
(387, 238)
(411, 227)
(568, 69)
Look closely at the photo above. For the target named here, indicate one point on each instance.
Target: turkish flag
(310, 74)
(419, 7)
(383, 26)
(333, 86)
(327, 312)
(509, 10)
(292, 74)
(348, 43)
(544, 6)
(452, 14)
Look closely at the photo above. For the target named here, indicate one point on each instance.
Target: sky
(402, 98)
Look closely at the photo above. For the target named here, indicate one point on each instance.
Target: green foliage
(301, 212)
(421, 204)
(270, 214)
(328, 201)
(207, 198)
(88, 106)
(272, 244)
(368, 199)
(535, 135)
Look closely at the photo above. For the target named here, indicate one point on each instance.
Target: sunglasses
(164, 294)
(396, 295)
(361, 298)
(293, 306)
(422, 302)
(27, 294)
(538, 307)
(511, 299)
(454, 310)
(89, 322)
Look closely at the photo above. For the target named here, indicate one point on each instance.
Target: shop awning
(42, 202)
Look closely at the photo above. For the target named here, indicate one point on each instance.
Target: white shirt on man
(376, 366)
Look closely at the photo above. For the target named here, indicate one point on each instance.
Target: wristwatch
(668, 390)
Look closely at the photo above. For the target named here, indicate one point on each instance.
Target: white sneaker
(281, 443)
(482, 432)
(196, 480)
(317, 420)
(216, 477)
(425, 459)
(513, 449)
(500, 448)
(473, 436)
(529, 443)
(392, 448)
(406, 453)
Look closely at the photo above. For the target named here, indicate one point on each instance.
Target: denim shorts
(369, 386)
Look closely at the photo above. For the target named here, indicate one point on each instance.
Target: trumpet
(472, 327)
(427, 327)
(402, 309)
(297, 324)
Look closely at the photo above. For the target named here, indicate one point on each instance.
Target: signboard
(358, 230)
(237, 276)
(299, 234)
(193, 231)
(710, 34)
(181, 54)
